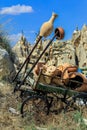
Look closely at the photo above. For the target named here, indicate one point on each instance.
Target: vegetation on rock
(5, 42)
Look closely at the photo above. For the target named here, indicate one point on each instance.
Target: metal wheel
(34, 107)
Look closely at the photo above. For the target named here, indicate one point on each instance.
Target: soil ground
(71, 120)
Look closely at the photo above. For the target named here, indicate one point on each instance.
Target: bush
(5, 44)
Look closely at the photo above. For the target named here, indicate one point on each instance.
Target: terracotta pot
(60, 34)
(67, 70)
(47, 27)
(72, 69)
(81, 81)
(38, 67)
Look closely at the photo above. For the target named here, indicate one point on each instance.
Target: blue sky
(28, 15)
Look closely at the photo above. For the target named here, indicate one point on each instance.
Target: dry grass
(71, 120)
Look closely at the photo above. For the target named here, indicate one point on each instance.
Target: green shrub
(5, 43)
(78, 118)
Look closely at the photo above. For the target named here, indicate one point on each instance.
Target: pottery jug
(47, 27)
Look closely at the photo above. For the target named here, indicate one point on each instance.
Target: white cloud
(32, 31)
(14, 38)
(16, 9)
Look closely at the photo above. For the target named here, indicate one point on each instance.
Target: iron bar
(38, 59)
(28, 58)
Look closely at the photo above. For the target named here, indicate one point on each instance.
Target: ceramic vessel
(78, 81)
(47, 27)
(60, 34)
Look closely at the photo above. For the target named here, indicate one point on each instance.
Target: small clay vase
(60, 33)
(47, 27)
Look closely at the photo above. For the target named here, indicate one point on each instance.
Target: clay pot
(81, 82)
(67, 70)
(47, 27)
(72, 69)
(60, 34)
(38, 67)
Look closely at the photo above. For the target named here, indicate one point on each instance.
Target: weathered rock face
(80, 43)
(76, 37)
(7, 69)
(20, 52)
(64, 52)
(16, 50)
(72, 51)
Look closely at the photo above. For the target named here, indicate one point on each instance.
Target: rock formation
(21, 49)
(73, 51)
(7, 69)
(80, 42)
